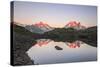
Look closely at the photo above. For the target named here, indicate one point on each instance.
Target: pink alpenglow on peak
(75, 25)
(42, 25)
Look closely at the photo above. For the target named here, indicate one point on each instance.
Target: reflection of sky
(54, 14)
(48, 53)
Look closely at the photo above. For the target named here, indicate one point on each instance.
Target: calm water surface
(44, 52)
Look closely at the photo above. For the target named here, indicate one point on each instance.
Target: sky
(56, 15)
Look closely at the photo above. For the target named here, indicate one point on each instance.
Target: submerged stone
(58, 48)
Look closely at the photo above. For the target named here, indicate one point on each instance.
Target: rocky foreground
(21, 44)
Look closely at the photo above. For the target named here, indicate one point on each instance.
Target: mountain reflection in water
(42, 42)
(47, 51)
(75, 44)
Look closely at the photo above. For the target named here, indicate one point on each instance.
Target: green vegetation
(88, 35)
(62, 34)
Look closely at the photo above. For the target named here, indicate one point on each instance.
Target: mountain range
(41, 27)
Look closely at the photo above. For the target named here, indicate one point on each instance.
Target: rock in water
(58, 48)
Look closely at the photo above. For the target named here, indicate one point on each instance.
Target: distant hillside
(62, 34)
(89, 35)
(21, 30)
